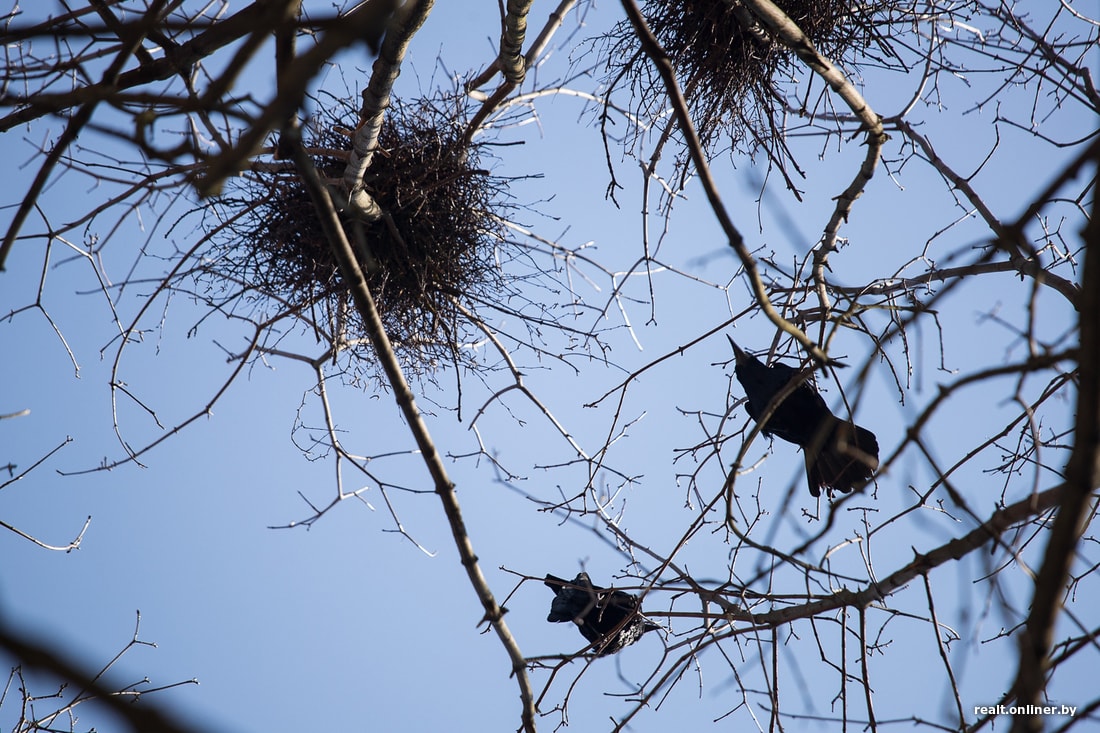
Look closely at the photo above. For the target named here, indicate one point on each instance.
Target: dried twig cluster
(433, 251)
(732, 68)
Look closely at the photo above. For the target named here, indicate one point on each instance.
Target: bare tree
(374, 237)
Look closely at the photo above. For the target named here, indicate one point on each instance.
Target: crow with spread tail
(608, 619)
(840, 455)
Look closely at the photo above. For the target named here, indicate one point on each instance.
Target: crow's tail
(846, 461)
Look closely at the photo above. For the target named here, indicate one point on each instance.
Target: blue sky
(348, 625)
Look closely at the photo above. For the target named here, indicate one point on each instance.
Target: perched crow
(609, 619)
(840, 455)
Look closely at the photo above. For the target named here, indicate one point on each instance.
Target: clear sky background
(350, 626)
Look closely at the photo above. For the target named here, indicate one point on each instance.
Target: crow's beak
(738, 354)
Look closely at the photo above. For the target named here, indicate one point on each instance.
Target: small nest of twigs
(436, 251)
(733, 76)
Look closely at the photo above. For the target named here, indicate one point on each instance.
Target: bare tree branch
(402, 27)
(145, 718)
(132, 42)
(445, 489)
(1082, 479)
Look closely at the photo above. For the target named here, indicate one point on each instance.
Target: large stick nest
(436, 250)
(732, 79)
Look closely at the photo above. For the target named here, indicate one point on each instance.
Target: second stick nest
(733, 76)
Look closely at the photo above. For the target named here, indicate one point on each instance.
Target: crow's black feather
(608, 619)
(840, 455)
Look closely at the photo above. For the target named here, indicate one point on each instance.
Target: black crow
(609, 619)
(840, 455)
